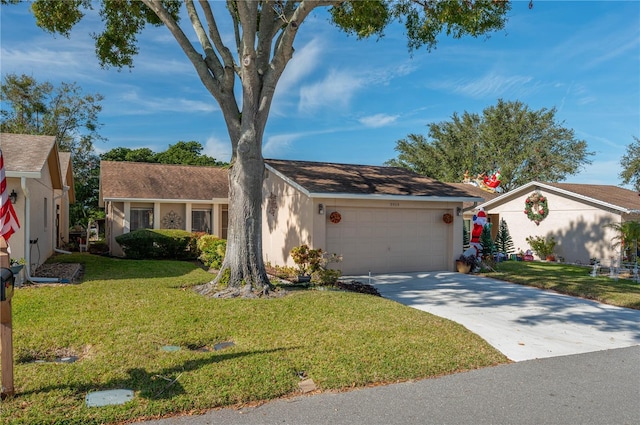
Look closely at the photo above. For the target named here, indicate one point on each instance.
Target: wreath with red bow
(536, 207)
(335, 217)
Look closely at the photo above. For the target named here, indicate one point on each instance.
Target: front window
(201, 221)
(225, 222)
(141, 218)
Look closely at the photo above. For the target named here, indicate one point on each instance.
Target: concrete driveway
(523, 323)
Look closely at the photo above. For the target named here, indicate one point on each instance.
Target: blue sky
(349, 101)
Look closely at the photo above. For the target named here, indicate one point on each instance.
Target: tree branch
(210, 55)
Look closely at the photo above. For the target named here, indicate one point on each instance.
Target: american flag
(8, 219)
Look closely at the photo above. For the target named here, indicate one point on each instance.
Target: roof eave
(168, 201)
(287, 180)
(422, 198)
(25, 174)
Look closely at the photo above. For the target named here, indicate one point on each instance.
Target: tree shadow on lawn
(478, 295)
(153, 385)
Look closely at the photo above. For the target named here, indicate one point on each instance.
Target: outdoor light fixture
(458, 211)
(13, 196)
(320, 208)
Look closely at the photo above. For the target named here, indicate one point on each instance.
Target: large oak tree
(521, 143)
(630, 163)
(242, 76)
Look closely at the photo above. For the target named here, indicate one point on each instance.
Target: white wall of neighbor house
(578, 226)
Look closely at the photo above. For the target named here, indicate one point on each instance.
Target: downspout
(27, 236)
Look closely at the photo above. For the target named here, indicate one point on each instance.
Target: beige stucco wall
(176, 210)
(577, 226)
(290, 218)
(287, 220)
(115, 226)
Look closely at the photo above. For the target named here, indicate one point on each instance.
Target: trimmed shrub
(159, 244)
(212, 250)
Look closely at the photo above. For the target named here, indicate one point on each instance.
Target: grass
(571, 280)
(118, 319)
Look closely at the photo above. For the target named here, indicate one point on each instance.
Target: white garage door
(383, 240)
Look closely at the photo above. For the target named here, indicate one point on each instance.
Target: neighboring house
(42, 179)
(161, 196)
(380, 219)
(577, 217)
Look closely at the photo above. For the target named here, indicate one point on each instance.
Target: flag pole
(6, 333)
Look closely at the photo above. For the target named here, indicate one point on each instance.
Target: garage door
(383, 240)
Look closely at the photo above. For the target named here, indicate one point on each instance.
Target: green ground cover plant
(571, 280)
(124, 311)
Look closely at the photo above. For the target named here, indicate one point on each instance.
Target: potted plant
(465, 263)
(16, 265)
(542, 246)
(308, 261)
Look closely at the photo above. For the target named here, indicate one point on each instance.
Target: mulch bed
(67, 272)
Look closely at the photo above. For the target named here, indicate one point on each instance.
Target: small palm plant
(628, 235)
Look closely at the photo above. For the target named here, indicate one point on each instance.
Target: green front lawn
(570, 279)
(125, 311)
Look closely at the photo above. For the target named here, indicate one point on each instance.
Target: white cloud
(218, 148)
(276, 145)
(150, 105)
(336, 90)
(378, 120)
(490, 85)
(304, 62)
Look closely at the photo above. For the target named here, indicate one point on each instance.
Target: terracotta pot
(463, 267)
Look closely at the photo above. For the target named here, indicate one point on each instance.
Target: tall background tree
(242, 76)
(69, 114)
(630, 163)
(186, 153)
(523, 144)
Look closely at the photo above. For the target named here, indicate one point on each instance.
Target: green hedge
(152, 244)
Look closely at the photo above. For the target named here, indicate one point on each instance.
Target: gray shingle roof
(609, 194)
(139, 181)
(331, 178)
(26, 153)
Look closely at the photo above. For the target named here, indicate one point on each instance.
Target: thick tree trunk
(243, 262)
